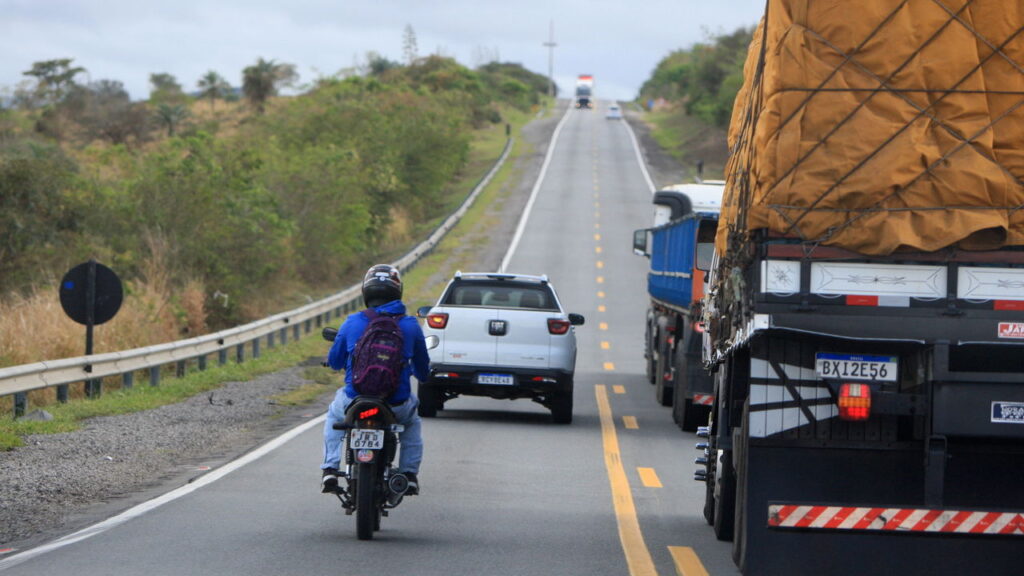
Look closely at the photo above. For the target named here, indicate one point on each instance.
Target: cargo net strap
(816, 182)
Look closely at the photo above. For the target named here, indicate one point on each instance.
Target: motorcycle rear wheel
(366, 505)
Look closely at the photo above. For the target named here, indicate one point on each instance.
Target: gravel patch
(60, 483)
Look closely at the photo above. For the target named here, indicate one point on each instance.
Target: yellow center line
(638, 557)
(600, 264)
(598, 249)
(600, 279)
(602, 326)
(649, 478)
(609, 366)
(686, 561)
(630, 422)
(597, 237)
(601, 308)
(600, 294)
(605, 345)
(619, 389)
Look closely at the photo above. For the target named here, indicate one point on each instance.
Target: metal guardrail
(18, 380)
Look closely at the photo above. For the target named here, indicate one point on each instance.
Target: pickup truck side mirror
(576, 319)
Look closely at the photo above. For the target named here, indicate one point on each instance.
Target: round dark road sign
(106, 294)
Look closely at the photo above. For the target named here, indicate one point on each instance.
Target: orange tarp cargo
(881, 126)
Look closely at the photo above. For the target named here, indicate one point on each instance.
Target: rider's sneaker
(329, 483)
(414, 484)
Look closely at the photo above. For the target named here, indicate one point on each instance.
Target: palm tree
(171, 116)
(213, 86)
(260, 81)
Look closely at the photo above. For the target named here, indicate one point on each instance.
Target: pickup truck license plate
(857, 367)
(366, 439)
(500, 379)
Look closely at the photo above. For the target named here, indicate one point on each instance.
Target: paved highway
(504, 491)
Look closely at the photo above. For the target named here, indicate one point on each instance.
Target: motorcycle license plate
(500, 379)
(366, 439)
(857, 367)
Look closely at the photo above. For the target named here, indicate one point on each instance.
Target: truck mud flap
(796, 477)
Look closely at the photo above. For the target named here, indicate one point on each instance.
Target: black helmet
(381, 285)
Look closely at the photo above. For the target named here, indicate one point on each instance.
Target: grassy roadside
(688, 139)
(485, 150)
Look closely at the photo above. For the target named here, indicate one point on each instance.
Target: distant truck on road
(679, 246)
(584, 91)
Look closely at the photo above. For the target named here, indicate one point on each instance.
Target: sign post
(90, 294)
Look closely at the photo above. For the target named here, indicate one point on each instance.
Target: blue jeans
(410, 453)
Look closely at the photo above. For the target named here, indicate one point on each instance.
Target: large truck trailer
(679, 246)
(865, 311)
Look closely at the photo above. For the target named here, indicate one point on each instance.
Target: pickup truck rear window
(501, 295)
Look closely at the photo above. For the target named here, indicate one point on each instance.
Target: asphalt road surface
(504, 491)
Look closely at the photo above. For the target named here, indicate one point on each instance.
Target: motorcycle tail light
(369, 413)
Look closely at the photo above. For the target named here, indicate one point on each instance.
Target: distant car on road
(505, 336)
(614, 112)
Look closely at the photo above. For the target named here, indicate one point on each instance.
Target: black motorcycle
(372, 485)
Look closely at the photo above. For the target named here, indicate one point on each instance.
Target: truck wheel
(662, 390)
(430, 400)
(739, 542)
(649, 343)
(725, 497)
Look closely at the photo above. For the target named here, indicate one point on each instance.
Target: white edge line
(149, 505)
(533, 194)
(639, 156)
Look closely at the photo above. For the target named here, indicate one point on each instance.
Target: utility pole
(550, 45)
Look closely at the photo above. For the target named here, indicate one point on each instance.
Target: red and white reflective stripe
(896, 519)
(704, 399)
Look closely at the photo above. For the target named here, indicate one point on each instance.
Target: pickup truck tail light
(558, 326)
(437, 321)
(854, 402)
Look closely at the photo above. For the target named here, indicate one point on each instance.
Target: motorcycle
(373, 486)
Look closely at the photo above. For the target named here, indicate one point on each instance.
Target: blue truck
(679, 246)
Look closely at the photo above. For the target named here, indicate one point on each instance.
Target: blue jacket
(415, 351)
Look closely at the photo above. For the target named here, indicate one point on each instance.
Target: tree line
(703, 78)
(298, 194)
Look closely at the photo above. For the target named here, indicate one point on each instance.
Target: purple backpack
(377, 360)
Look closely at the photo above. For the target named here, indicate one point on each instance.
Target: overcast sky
(619, 42)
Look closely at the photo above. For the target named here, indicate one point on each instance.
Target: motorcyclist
(382, 291)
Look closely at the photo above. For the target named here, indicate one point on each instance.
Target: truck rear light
(558, 326)
(544, 379)
(854, 402)
(446, 375)
(437, 321)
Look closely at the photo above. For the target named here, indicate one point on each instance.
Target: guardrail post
(20, 404)
(222, 356)
(256, 348)
(180, 369)
(297, 332)
(319, 320)
(127, 380)
(270, 340)
(201, 362)
(93, 388)
(309, 325)
(240, 353)
(284, 336)
(154, 376)
(62, 393)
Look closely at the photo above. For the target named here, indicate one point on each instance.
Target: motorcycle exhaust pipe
(397, 485)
